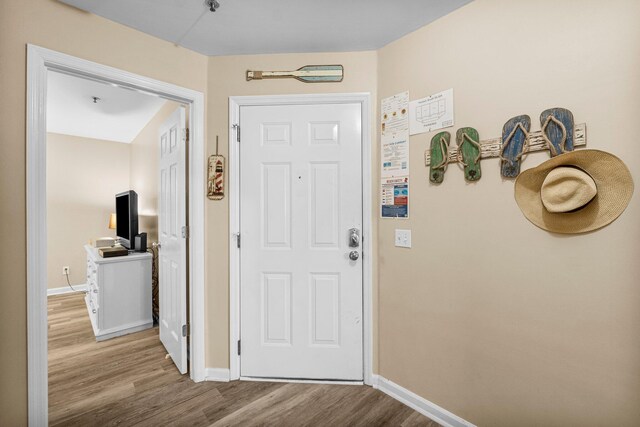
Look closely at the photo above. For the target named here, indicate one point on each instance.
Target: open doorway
(110, 190)
(41, 64)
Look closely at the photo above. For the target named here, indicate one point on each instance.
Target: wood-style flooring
(128, 381)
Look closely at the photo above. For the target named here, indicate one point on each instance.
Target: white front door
(300, 194)
(173, 244)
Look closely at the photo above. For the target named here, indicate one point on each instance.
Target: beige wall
(488, 316)
(227, 78)
(83, 175)
(144, 171)
(53, 25)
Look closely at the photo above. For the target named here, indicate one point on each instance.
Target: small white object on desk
(403, 238)
(105, 242)
(118, 293)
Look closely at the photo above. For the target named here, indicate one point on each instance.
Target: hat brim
(613, 182)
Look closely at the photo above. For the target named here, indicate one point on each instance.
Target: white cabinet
(118, 293)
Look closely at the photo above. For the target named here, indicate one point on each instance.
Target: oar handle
(259, 75)
(254, 75)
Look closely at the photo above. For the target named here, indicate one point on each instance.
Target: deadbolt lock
(354, 238)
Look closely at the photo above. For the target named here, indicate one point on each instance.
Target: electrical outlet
(65, 270)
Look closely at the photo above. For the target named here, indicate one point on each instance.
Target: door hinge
(237, 129)
(238, 240)
(185, 232)
(185, 330)
(239, 347)
(185, 134)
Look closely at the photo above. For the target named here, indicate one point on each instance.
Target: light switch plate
(403, 238)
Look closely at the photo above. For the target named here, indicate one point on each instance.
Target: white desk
(118, 293)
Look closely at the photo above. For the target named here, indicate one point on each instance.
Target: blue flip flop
(556, 125)
(515, 139)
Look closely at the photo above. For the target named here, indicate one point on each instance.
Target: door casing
(235, 102)
(39, 62)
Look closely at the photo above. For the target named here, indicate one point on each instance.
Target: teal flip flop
(439, 156)
(469, 152)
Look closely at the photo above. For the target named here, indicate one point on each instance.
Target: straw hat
(575, 192)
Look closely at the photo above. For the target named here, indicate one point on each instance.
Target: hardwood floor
(128, 381)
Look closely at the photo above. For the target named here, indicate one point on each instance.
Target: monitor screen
(126, 217)
(122, 216)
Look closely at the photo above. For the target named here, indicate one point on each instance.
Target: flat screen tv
(126, 217)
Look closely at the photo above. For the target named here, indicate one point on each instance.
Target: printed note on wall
(395, 155)
(394, 135)
(394, 197)
(394, 115)
(431, 113)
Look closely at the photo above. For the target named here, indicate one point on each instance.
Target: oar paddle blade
(320, 73)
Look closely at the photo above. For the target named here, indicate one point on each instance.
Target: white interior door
(173, 243)
(300, 194)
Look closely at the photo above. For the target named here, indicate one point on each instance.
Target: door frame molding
(39, 62)
(235, 102)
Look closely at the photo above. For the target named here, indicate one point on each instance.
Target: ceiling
(119, 115)
(278, 26)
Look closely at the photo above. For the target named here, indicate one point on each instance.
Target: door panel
(276, 205)
(325, 309)
(324, 210)
(276, 308)
(173, 247)
(300, 193)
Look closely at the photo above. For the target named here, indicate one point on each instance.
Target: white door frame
(39, 62)
(235, 102)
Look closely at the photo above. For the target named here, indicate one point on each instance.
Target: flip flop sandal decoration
(469, 153)
(557, 130)
(439, 156)
(515, 140)
(558, 134)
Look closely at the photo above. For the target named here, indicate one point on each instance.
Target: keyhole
(300, 177)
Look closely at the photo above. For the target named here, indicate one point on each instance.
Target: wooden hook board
(491, 147)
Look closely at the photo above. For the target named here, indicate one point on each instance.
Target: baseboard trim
(66, 290)
(298, 381)
(217, 374)
(420, 404)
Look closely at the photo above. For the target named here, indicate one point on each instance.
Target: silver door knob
(354, 255)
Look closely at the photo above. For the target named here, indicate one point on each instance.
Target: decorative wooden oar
(307, 74)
